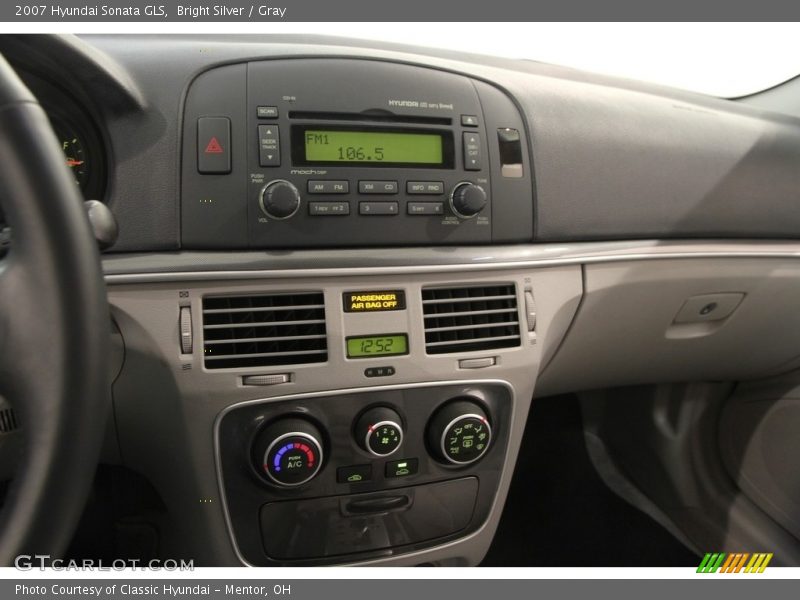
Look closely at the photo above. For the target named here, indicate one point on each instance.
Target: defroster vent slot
(264, 330)
(470, 318)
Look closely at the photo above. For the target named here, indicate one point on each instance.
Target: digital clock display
(377, 345)
(379, 147)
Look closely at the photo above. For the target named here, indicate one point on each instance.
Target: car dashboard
(344, 270)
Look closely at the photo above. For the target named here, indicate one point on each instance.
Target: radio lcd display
(373, 147)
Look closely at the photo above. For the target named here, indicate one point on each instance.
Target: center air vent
(262, 331)
(463, 319)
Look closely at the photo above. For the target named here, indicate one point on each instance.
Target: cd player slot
(382, 117)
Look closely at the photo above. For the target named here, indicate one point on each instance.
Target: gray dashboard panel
(166, 403)
(613, 159)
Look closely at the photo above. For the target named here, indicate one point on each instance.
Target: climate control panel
(382, 460)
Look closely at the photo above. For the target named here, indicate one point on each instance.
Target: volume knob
(279, 199)
(467, 199)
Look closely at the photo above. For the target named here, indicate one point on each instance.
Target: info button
(432, 188)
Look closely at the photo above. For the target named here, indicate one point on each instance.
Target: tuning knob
(279, 199)
(459, 432)
(467, 199)
(379, 431)
(289, 452)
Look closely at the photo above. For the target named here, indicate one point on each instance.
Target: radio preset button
(425, 208)
(430, 188)
(267, 112)
(328, 209)
(377, 187)
(328, 187)
(472, 152)
(378, 208)
(269, 146)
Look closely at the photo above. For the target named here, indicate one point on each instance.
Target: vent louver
(8, 420)
(264, 330)
(469, 318)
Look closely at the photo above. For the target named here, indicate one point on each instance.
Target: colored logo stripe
(711, 562)
(734, 562)
(758, 563)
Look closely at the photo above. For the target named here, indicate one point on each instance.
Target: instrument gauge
(76, 153)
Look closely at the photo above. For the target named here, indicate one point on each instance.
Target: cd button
(377, 187)
(378, 208)
(469, 120)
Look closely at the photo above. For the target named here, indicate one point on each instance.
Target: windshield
(720, 59)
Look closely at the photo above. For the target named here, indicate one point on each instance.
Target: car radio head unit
(336, 152)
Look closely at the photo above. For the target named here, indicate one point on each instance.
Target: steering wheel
(54, 331)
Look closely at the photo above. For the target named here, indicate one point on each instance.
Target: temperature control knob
(467, 200)
(459, 432)
(379, 431)
(289, 452)
(279, 199)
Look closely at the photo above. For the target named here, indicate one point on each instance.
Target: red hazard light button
(214, 145)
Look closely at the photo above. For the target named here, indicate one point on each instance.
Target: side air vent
(468, 318)
(262, 331)
(8, 420)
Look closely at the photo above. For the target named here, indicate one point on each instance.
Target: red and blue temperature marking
(276, 462)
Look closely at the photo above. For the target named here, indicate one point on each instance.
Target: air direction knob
(459, 432)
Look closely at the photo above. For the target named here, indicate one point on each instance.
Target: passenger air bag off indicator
(374, 301)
